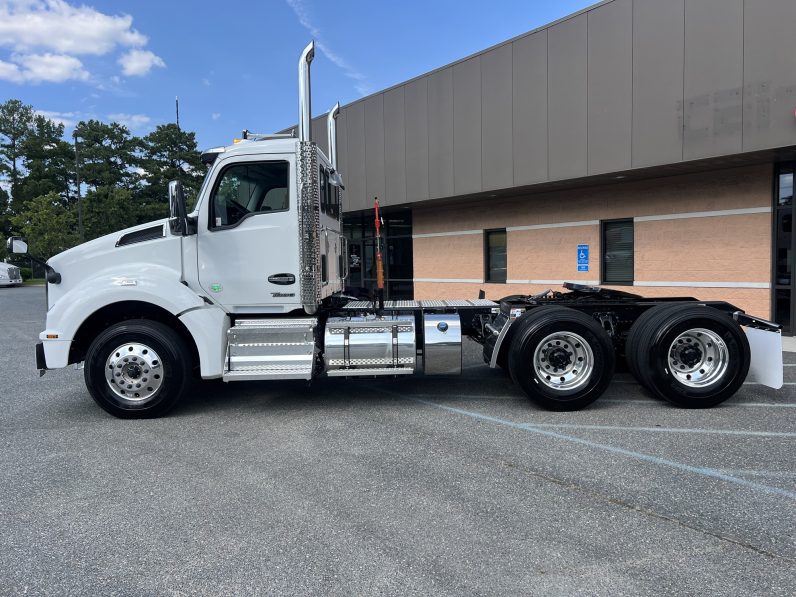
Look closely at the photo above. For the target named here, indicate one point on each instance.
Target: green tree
(48, 161)
(16, 120)
(168, 153)
(107, 154)
(47, 224)
(106, 210)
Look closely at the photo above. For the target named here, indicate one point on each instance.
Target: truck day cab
(250, 286)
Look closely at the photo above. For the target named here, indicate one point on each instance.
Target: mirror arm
(52, 276)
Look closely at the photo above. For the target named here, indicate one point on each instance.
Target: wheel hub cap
(134, 372)
(563, 361)
(698, 358)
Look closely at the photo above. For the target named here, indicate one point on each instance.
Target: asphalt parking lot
(412, 486)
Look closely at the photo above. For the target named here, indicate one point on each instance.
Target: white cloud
(37, 68)
(131, 121)
(215, 115)
(360, 81)
(45, 37)
(137, 63)
(55, 25)
(68, 119)
(206, 82)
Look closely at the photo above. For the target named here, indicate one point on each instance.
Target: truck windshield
(201, 189)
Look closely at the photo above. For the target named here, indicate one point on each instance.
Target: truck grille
(13, 273)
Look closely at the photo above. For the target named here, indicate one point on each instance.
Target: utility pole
(177, 104)
(77, 181)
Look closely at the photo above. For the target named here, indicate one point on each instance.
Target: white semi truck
(250, 285)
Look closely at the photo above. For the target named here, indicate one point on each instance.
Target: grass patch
(34, 282)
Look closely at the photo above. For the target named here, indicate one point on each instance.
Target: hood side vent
(139, 236)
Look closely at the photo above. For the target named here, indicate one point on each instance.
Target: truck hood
(114, 256)
(133, 235)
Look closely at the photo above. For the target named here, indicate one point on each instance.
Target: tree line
(123, 179)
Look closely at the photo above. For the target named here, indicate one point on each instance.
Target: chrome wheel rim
(698, 358)
(563, 361)
(134, 372)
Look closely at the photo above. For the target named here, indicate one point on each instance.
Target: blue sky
(233, 63)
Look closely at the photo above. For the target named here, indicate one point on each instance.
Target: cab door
(248, 246)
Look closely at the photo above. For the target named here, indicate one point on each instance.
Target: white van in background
(10, 275)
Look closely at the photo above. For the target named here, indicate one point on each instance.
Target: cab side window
(246, 189)
(330, 194)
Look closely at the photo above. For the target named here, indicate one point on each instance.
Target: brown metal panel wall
(529, 108)
(342, 156)
(610, 95)
(355, 172)
(657, 81)
(416, 119)
(394, 147)
(567, 93)
(440, 133)
(467, 127)
(318, 131)
(769, 95)
(497, 163)
(713, 78)
(374, 148)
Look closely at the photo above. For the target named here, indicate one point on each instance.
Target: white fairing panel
(766, 365)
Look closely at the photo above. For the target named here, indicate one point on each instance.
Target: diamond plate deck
(422, 304)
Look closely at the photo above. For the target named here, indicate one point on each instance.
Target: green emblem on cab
(216, 287)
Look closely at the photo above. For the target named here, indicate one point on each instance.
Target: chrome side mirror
(177, 216)
(17, 245)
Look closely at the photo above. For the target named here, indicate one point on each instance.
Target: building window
(784, 258)
(495, 255)
(396, 246)
(617, 252)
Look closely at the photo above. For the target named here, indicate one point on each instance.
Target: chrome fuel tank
(370, 345)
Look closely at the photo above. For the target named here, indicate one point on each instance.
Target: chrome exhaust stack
(331, 133)
(305, 93)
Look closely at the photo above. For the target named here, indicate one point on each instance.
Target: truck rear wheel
(561, 358)
(692, 356)
(137, 369)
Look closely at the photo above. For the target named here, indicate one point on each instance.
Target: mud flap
(766, 363)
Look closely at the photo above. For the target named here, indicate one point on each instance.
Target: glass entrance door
(784, 245)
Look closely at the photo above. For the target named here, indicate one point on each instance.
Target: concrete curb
(789, 343)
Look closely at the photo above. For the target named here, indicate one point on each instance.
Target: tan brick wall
(735, 188)
(550, 253)
(449, 257)
(735, 248)
(751, 300)
(718, 249)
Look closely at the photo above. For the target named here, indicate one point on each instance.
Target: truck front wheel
(561, 358)
(137, 369)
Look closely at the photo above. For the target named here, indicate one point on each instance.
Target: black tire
(536, 328)
(653, 349)
(632, 351)
(171, 359)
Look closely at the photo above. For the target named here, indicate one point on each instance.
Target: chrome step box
(271, 349)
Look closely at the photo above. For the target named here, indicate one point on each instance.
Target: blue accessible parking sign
(583, 258)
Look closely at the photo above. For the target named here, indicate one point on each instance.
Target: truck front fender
(149, 284)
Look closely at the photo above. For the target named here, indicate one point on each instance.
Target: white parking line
(703, 471)
(652, 401)
(519, 397)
